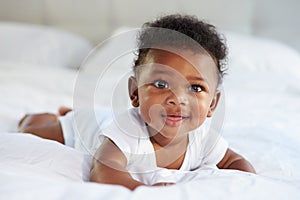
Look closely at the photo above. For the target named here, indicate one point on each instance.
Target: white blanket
(33, 168)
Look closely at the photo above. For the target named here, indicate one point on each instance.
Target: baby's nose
(178, 97)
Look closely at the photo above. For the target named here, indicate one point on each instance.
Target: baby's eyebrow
(197, 78)
(159, 71)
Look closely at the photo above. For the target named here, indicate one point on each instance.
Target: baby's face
(176, 92)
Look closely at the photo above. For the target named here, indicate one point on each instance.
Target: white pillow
(41, 45)
(254, 54)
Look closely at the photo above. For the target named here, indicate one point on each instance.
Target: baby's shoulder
(127, 131)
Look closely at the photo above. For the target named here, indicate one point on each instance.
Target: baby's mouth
(174, 120)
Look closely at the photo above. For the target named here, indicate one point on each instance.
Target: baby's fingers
(163, 184)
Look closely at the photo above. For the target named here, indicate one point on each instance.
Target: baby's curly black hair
(203, 34)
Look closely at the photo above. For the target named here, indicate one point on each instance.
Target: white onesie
(81, 128)
(129, 132)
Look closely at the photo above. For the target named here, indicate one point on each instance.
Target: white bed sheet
(262, 114)
(261, 124)
(52, 177)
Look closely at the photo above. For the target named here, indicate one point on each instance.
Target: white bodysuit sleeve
(81, 128)
(66, 123)
(214, 149)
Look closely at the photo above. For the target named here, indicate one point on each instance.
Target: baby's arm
(109, 167)
(232, 160)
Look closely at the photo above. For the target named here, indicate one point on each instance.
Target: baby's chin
(171, 132)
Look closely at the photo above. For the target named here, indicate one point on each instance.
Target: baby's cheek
(155, 111)
(195, 123)
(199, 113)
(144, 113)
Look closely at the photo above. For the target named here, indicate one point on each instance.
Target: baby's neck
(169, 154)
(163, 142)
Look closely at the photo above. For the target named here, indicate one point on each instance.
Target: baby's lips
(174, 118)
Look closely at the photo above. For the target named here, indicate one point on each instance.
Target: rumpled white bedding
(262, 105)
(262, 113)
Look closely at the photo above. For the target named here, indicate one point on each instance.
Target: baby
(174, 90)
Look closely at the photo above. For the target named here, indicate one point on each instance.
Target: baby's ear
(133, 91)
(214, 103)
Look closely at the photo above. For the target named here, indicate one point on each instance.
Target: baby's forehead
(188, 55)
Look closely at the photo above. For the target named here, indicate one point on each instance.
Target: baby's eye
(161, 84)
(195, 88)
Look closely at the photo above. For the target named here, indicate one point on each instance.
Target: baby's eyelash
(195, 88)
(161, 84)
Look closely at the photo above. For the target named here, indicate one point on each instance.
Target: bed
(261, 98)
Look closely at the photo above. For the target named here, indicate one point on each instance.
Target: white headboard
(96, 19)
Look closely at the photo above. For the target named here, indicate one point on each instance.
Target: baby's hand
(163, 184)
